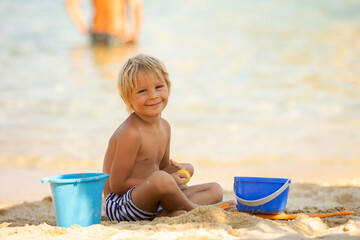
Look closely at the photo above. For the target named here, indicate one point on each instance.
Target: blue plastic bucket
(77, 198)
(261, 195)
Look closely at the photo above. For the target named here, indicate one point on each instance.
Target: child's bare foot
(170, 214)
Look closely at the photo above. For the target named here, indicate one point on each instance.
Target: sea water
(251, 81)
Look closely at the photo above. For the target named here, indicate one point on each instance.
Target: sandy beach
(259, 89)
(27, 211)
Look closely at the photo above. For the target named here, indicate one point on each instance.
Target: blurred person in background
(115, 22)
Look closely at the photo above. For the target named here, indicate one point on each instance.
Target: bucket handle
(262, 201)
(45, 180)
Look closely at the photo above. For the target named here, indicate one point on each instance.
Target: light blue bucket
(77, 198)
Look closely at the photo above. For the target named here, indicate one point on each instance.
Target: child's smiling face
(150, 96)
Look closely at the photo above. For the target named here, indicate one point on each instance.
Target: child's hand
(177, 165)
(180, 176)
(181, 179)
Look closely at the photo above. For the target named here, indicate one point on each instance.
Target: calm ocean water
(252, 81)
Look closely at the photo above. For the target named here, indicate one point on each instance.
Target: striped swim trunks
(121, 208)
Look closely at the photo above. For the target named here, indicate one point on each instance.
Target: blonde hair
(146, 64)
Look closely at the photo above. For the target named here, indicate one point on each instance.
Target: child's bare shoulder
(165, 123)
(128, 131)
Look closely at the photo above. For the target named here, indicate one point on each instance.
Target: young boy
(144, 181)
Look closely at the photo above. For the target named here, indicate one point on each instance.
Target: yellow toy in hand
(187, 174)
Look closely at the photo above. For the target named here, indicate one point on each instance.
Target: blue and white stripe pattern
(121, 208)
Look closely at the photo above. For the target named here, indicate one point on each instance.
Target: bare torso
(141, 158)
(109, 16)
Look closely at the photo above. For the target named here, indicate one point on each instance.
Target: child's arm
(125, 152)
(180, 177)
(175, 166)
(167, 166)
(170, 166)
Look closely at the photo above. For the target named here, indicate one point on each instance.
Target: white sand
(34, 219)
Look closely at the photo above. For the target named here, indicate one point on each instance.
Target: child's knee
(162, 182)
(189, 167)
(217, 191)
